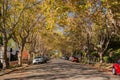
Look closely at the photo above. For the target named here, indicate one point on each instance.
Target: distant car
(37, 60)
(74, 59)
(116, 68)
(65, 57)
(70, 58)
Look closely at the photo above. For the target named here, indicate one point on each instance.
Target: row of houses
(12, 54)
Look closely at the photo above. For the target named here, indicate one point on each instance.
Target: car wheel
(45, 61)
(113, 71)
(33, 63)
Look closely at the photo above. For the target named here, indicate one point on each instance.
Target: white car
(38, 60)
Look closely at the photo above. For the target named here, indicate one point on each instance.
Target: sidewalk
(7, 71)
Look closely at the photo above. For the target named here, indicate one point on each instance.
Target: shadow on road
(63, 71)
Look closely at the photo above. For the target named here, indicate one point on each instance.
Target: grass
(103, 66)
(100, 66)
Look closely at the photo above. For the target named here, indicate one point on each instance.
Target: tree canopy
(64, 25)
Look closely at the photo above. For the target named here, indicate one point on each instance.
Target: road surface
(58, 69)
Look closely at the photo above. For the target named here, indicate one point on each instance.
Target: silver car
(38, 60)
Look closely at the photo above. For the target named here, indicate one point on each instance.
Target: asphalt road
(58, 69)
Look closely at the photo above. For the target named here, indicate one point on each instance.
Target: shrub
(106, 59)
(115, 56)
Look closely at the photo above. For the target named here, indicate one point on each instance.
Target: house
(25, 56)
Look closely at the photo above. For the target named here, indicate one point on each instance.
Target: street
(58, 69)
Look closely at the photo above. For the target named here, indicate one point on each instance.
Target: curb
(11, 70)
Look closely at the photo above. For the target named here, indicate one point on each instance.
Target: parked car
(65, 57)
(116, 68)
(1, 65)
(41, 59)
(46, 58)
(74, 59)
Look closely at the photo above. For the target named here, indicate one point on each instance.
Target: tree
(113, 5)
(8, 23)
(102, 29)
(37, 45)
(28, 24)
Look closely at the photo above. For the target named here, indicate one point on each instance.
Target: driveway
(58, 69)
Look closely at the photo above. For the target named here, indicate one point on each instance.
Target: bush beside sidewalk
(104, 66)
(7, 71)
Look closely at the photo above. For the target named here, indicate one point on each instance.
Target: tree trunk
(5, 39)
(30, 58)
(20, 58)
(5, 59)
(88, 48)
(20, 61)
(20, 55)
(2, 56)
(101, 57)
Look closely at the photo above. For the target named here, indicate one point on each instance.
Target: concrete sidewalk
(7, 71)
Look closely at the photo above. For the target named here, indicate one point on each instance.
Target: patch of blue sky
(105, 10)
(9, 7)
(38, 0)
(72, 14)
(89, 23)
(98, 4)
(92, 10)
(59, 29)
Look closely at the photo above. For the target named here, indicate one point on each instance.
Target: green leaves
(78, 18)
